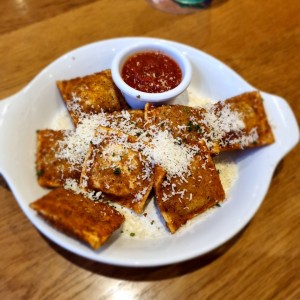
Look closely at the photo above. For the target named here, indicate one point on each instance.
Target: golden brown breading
(116, 166)
(52, 171)
(181, 200)
(80, 217)
(250, 106)
(177, 119)
(91, 94)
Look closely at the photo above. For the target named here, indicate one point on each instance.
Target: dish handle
(7, 109)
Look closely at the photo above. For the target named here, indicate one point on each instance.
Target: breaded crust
(52, 171)
(177, 119)
(77, 216)
(91, 94)
(181, 200)
(250, 106)
(116, 166)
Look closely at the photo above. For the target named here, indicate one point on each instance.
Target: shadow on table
(147, 273)
(3, 183)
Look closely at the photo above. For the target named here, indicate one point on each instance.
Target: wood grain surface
(258, 39)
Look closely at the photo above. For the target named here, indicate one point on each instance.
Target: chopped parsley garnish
(178, 142)
(132, 234)
(117, 171)
(197, 127)
(218, 204)
(39, 172)
(193, 127)
(190, 126)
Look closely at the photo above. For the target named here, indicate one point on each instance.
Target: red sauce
(151, 72)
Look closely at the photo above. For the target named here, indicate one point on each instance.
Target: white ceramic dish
(39, 102)
(137, 99)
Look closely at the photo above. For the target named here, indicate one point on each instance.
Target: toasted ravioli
(51, 170)
(117, 166)
(251, 109)
(180, 120)
(91, 94)
(77, 216)
(184, 196)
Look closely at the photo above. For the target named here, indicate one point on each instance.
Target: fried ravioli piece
(116, 165)
(257, 130)
(53, 171)
(89, 221)
(182, 197)
(91, 94)
(237, 123)
(182, 121)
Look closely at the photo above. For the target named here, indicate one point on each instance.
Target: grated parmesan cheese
(174, 158)
(228, 170)
(160, 149)
(72, 184)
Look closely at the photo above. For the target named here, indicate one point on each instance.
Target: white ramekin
(137, 99)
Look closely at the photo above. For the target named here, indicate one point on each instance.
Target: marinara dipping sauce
(151, 72)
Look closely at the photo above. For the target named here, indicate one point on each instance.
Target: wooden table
(258, 39)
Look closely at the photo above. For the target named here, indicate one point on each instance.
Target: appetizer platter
(140, 187)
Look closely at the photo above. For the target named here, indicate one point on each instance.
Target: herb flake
(117, 171)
